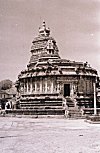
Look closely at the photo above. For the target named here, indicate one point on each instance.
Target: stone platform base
(37, 112)
(33, 116)
(93, 119)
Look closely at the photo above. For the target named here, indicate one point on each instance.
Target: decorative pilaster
(35, 86)
(40, 86)
(52, 86)
(24, 86)
(46, 86)
(31, 85)
(71, 91)
(58, 87)
(27, 85)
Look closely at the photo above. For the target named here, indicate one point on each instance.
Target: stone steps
(69, 102)
(39, 99)
(74, 113)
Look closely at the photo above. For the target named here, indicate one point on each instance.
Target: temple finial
(44, 24)
(44, 31)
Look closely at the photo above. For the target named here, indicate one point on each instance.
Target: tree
(5, 84)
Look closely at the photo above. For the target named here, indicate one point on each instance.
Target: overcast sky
(74, 24)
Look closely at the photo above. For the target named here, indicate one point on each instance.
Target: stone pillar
(95, 109)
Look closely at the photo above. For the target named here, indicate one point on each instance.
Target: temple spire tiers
(43, 47)
(49, 82)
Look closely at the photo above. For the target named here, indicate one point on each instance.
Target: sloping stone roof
(11, 91)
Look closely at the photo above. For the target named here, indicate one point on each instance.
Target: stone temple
(51, 85)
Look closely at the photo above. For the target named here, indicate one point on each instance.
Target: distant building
(6, 96)
(49, 82)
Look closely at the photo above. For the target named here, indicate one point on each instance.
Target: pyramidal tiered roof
(45, 59)
(43, 46)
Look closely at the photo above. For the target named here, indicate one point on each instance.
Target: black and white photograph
(49, 76)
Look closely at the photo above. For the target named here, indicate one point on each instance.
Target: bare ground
(48, 135)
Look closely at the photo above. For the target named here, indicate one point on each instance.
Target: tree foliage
(5, 84)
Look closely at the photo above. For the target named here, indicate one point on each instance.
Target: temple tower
(51, 84)
(44, 47)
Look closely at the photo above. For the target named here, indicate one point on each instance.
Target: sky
(74, 24)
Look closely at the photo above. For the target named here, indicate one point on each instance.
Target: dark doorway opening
(66, 90)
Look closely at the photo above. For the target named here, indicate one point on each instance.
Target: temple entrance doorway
(66, 90)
